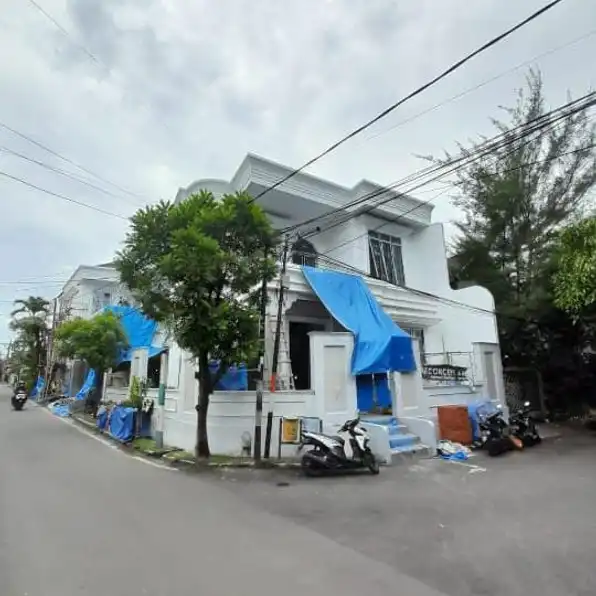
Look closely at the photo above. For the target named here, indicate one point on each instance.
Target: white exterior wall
(87, 285)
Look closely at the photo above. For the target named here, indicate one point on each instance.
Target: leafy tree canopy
(98, 341)
(514, 201)
(196, 267)
(575, 278)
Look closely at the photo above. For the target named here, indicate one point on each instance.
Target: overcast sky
(153, 94)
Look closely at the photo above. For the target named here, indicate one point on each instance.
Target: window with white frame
(417, 333)
(385, 258)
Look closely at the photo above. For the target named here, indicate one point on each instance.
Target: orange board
(454, 424)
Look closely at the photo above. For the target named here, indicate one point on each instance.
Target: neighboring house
(403, 259)
(89, 289)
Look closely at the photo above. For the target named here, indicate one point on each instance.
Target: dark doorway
(300, 352)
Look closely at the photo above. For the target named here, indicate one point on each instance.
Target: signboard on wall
(444, 373)
(290, 431)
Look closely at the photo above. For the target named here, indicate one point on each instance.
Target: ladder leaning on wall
(285, 378)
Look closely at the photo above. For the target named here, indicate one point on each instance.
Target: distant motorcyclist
(19, 396)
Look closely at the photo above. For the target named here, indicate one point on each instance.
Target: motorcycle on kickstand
(523, 426)
(495, 434)
(327, 453)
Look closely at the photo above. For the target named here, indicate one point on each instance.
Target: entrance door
(300, 352)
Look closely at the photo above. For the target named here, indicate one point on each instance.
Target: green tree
(98, 341)
(196, 267)
(575, 277)
(513, 203)
(29, 322)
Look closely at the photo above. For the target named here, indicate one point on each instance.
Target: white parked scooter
(328, 452)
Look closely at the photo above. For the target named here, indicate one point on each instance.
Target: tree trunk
(202, 446)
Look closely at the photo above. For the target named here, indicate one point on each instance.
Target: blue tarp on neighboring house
(139, 331)
(87, 385)
(38, 388)
(379, 344)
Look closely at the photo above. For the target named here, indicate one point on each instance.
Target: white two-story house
(399, 256)
(87, 292)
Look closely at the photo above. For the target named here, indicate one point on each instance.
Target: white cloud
(183, 90)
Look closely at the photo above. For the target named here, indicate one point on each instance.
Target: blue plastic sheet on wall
(366, 390)
(139, 331)
(38, 388)
(87, 385)
(235, 378)
(379, 344)
(122, 421)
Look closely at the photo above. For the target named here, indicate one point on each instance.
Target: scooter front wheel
(370, 461)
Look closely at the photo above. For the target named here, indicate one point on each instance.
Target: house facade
(89, 289)
(400, 256)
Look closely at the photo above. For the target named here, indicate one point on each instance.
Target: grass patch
(180, 455)
(144, 444)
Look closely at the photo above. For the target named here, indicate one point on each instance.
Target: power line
(66, 159)
(63, 197)
(487, 147)
(470, 157)
(64, 31)
(418, 91)
(66, 175)
(396, 219)
(483, 84)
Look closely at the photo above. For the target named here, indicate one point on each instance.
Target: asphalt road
(80, 518)
(519, 525)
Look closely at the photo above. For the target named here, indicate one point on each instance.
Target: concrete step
(409, 453)
(403, 440)
(393, 425)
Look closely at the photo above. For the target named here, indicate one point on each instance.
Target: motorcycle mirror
(499, 407)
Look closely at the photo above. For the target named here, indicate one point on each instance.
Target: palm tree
(34, 306)
(29, 320)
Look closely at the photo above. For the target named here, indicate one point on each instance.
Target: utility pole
(278, 324)
(261, 379)
(50, 350)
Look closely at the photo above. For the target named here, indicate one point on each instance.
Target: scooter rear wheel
(309, 467)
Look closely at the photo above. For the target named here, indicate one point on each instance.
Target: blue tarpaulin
(87, 385)
(122, 421)
(139, 331)
(373, 393)
(102, 418)
(38, 389)
(379, 344)
(235, 378)
(477, 409)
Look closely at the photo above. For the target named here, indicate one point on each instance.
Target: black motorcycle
(523, 426)
(19, 397)
(328, 454)
(495, 434)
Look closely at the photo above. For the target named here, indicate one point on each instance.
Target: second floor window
(385, 258)
(304, 253)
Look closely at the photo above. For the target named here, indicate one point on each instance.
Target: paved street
(523, 524)
(80, 518)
